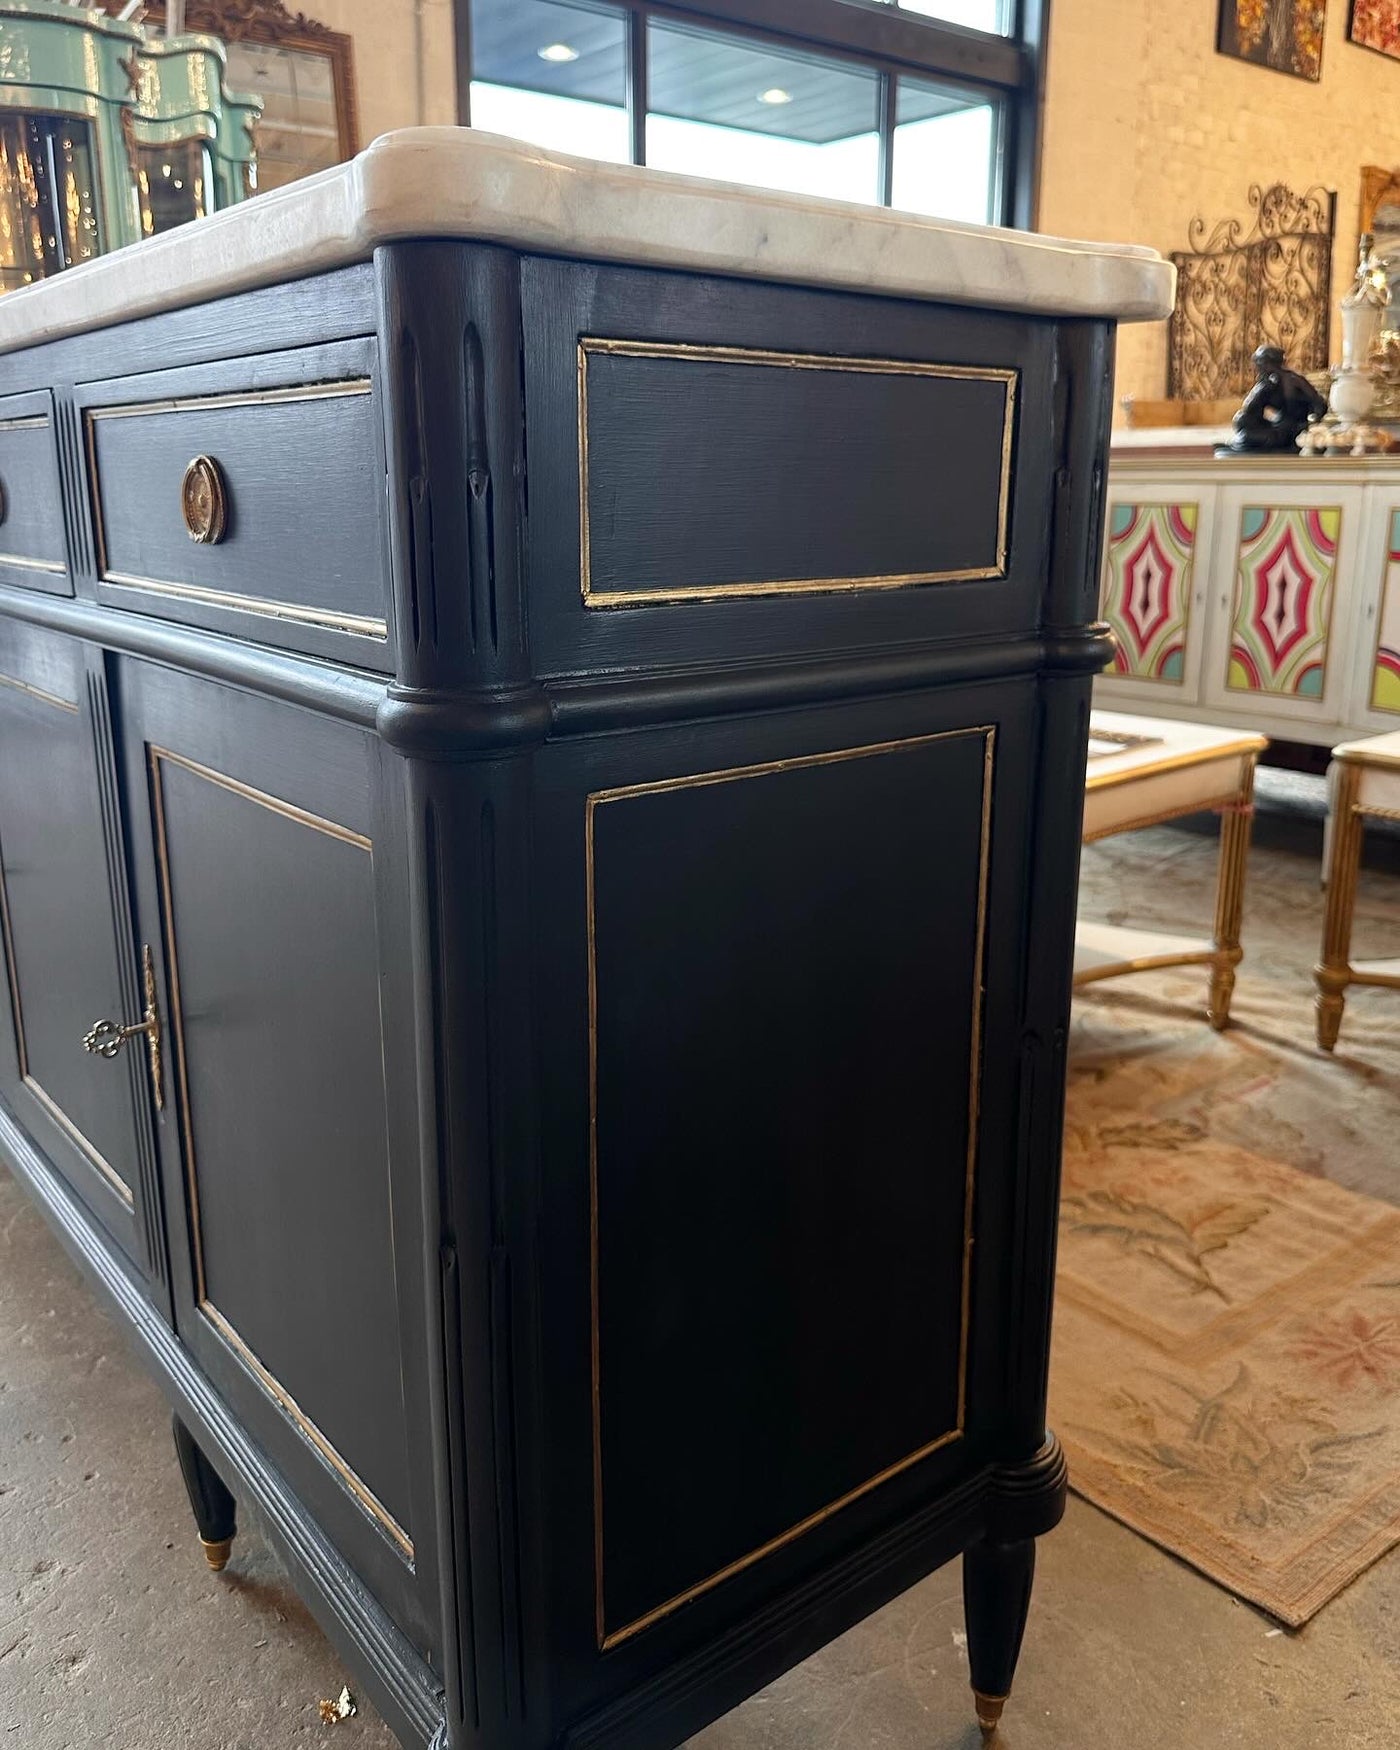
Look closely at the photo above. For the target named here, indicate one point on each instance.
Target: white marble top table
(1163, 768)
(457, 182)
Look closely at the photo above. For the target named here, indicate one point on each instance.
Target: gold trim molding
(590, 346)
(987, 732)
(358, 625)
(22, 562)
(228, 1333)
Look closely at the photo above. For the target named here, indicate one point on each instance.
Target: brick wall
(1146, 126)
(403, 60)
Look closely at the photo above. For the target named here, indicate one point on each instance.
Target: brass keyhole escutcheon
(106, 1038)
(204, 501)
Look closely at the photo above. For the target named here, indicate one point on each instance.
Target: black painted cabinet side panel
(785, 1016)
(708, 1154)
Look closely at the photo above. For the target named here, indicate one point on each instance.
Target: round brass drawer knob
(204, 501)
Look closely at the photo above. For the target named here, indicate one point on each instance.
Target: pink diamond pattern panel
(1286, 567)
(1147, 587)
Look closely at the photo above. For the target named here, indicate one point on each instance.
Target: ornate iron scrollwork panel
(1243, 285)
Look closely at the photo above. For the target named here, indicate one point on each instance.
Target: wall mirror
(303, 71)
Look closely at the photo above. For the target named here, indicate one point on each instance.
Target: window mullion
(637, 98)
(888, 101)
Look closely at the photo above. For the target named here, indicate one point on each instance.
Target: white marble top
(1160, 744)
(457, 182)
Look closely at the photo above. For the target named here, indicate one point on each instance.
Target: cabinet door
(257, 836)
(1155, 574)
(1285, 582)
(1375, 694)
(68, 942)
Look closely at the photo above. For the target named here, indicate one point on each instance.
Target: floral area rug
(1226, 1377)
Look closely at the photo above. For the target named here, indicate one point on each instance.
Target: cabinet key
(106, 1038)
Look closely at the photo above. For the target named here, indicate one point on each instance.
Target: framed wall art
(1375, 24)
(1283, 34)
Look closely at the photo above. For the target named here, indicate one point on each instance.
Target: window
(945, 153)
(721, 106)
(926, 105)
(552, 72)
(979, 14)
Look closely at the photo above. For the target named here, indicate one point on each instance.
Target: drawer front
(708, 472)
(255, 506)
(33, 549)
(754, 471)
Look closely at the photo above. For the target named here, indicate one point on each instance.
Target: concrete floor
(114, 1634)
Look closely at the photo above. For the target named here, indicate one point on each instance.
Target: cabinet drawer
(708, 472)
(33, 550)
(248, 497)
(802, 476)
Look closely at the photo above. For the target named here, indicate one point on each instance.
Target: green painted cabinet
(109, 133)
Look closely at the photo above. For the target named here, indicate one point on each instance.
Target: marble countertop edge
(454, 182)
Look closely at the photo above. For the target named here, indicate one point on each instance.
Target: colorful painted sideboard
(1264, 594)
(109, 133)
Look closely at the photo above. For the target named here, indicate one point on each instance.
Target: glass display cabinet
(109, 133)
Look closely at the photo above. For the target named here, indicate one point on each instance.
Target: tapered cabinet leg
(214, 1510)
(997, 1581)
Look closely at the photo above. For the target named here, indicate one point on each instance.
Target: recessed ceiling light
(559, 52)
(775, 94)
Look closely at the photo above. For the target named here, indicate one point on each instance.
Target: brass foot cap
(217, 1554)
(988, 1710)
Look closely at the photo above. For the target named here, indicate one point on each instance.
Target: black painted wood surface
(33, 552)
(601, 1038)
(735, 471)
(63, 961)
(780, 1173)
(296, 438)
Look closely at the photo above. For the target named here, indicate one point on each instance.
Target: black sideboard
(551, 791)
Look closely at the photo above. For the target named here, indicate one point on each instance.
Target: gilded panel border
(358, 625)
(225, 1329)
(987, 732)
(591, 346)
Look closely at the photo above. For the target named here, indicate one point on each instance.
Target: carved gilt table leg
(1236, 820)
(1333, 971)
(215, 1513)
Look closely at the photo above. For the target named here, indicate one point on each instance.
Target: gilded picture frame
(1379, 215)
(302, 69)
